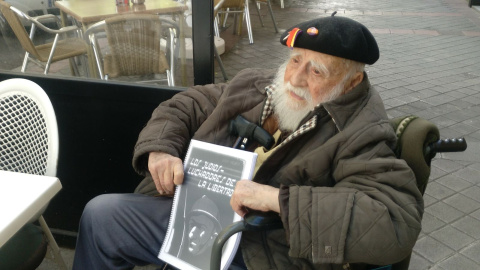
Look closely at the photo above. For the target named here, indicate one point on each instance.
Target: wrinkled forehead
(332, 64)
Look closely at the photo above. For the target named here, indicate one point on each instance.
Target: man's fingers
(165, 170)
(178, 173)
(158, 186)
(167, 181)
(237, 207)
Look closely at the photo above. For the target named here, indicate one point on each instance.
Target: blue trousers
(120, 231)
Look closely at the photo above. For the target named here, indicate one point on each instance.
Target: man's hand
(255, 196)
(166, 171)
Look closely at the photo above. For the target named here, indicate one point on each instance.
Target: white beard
(290, 112)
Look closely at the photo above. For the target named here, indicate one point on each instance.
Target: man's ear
(356, 79)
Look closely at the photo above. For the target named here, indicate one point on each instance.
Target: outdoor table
(22, 197)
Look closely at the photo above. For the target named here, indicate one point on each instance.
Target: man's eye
(295, 60)
(317, 72)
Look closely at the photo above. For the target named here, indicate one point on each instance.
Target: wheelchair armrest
(260, 221)
(253, 221)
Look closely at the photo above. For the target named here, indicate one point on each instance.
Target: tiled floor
(430, 67)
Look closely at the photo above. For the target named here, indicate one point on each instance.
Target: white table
(22, 196)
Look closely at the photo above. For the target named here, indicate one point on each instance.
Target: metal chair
(418, 142)
(47, 53)
(242, 7)
(237, 7)
(28, 144)
(134, 46)
(269, 5)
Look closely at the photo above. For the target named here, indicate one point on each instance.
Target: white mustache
(301, 92)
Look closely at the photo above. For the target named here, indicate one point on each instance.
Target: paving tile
(428, 200)
(474, 122)
(441, 121)
(436, 172)
(444, 212)
(419, 263)
(464, 128)
(430, 223)
(447, 165)
(452, 237)
(469, 174)
(476, 214)
(472, 193)
(468, 225)
(455, 183)
(430, 248)
(472, 251)
(438, 191)
(458, 262)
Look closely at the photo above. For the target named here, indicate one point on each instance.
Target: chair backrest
(134, 42)
(18, 28)
(414, 135)
(28, 129)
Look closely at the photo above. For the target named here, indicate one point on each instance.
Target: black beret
(337, 36)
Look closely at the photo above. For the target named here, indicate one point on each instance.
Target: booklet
(201, 205)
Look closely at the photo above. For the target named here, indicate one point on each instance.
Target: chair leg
(220, 63)
(52, 52)
(281, 4)
(85, 65)
(259, 14)
(235, 22)
(249, 24)
(271, 14)
(52, 244)
(25, 62)
(25, 59)
(74, 66)
(171, 73)
(225, 16)
(96, 53)
(215, 26)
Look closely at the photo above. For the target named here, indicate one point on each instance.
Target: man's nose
(299, 77)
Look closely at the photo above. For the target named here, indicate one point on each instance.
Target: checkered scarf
(268, 110)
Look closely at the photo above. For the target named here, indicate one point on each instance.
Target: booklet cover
(201, 206)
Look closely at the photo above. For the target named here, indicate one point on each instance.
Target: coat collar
(345, 106)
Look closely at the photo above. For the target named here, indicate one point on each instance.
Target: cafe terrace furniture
(134, 47)
(236, 7)
(44, 54)
(269, 5)
(29, 151)
(22, 196)
(241, 7)
(88, 12)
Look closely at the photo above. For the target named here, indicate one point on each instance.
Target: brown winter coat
(344, 196)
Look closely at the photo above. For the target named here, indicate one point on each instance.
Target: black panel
(98, 123)
(202, 31)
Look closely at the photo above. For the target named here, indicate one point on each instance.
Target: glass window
(118, 40)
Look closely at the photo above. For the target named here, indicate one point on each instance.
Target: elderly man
(344, 199)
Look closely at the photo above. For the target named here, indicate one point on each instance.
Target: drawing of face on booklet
(202, 227)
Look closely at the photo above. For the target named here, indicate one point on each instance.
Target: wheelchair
(418, 143)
